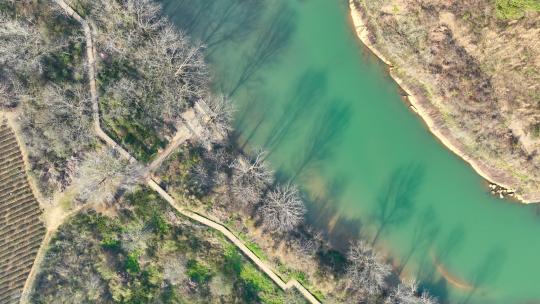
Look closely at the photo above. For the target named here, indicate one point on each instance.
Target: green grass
(514, 9)
(254, 247)
(143, 143)
(289, 273)
(257, 285)
(232, 260)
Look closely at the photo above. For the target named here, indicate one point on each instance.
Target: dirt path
(183, 134)
(236, 241)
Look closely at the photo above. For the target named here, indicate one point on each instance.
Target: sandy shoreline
(428, 113)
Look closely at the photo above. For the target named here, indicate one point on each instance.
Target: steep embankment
(452, 62)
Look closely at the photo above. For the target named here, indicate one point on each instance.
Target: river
(334, 122)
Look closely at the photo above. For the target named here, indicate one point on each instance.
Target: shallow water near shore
(334, 122)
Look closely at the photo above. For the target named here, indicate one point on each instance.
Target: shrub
(198, 272)
(132, 263)
(111, 243)
(514, 9)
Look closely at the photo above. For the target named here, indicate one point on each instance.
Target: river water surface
(334, 122)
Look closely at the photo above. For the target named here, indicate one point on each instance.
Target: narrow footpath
(183, 134)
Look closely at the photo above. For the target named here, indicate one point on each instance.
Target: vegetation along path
(183, 134)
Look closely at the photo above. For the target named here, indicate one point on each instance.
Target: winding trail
(186, 131)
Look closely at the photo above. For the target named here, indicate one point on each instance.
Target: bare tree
(136, 238)
(426, 298)
(309, 242)
(366, 272)
(167, 72)
(214, 117)
(221, 113)
(404, 293)
(105, 173)
(250, 178)
(282, 209)
(56, 122)
(20, 46)
(20, 43)
(174, 271)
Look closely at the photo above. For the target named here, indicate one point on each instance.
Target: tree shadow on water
(327, 131)
(251, 118)
(395, 202)
(486, 272)
(306, 94)
(324, 215)
(424, 234)
(272, 38)
(449, 245)
(437, 285)
(214, 23)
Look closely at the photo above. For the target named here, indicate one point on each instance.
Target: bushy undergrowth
(43, 79)
(512, 9)
(147, 254)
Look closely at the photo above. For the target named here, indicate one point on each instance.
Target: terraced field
(21, 228)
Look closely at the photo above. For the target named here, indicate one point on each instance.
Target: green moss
(170, 296)
(138, 276)
(254, 247)
(152, 276)
(514, 9)
(113, 71)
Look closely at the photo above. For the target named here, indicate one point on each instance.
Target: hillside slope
(474, 68)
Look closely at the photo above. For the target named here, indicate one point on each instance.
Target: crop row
(21, 228)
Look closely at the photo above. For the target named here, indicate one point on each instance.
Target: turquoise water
(334, 122)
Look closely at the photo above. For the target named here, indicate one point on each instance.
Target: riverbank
(432, 118)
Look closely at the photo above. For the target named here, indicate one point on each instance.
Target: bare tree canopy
(407, 292)
(366, 272)
(221, 113)
(104, 173)
(282, 209)
(163, 71)
(250, 178)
